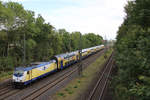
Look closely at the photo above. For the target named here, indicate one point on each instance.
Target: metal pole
(70, 42)
(105, 44)
(80, 56)
(24, 60)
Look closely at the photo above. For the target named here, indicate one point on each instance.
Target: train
(23, 76)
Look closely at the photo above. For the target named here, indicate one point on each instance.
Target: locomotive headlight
(13, 79)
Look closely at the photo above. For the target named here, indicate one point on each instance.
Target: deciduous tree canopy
(133, 53)
(42, 40)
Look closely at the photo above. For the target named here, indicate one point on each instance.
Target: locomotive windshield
(18, 73)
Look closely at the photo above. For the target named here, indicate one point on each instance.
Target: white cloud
(14, 0)
(99, 16)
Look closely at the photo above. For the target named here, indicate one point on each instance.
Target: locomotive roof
(35, 65)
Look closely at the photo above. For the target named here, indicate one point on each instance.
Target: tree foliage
(132, 53)
(42, 40)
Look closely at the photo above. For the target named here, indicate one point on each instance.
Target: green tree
(42, 40)
(132, 53)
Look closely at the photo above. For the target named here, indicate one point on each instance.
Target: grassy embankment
(5, 75)
(77, 86)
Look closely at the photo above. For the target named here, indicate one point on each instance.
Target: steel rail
(100, 79)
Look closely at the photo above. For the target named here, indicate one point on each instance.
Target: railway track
(10, 93)
(46, 87)
(7, 91)
(6, 86)
(4, 90)
(99, 89)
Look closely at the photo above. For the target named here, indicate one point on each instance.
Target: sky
(102, 17)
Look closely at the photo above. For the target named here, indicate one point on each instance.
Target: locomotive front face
(19, 76)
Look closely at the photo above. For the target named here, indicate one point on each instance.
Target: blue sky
(102, 17)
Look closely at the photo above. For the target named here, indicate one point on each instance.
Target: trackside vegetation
(42, 40)
(5, 75)
(132, 49)
(78, 86)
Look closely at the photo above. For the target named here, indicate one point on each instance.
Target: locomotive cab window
(18, 73)
(27, 72)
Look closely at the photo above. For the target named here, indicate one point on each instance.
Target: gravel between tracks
(37, 85)
(5, 82)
